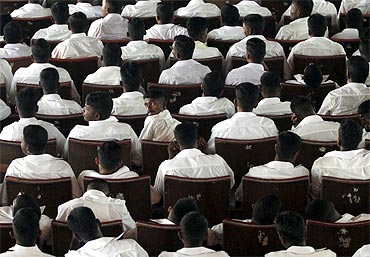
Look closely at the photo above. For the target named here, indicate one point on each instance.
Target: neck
(103, 171)
(345, 149)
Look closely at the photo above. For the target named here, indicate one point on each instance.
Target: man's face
(365, 122)
(104, 8)
(153, 106)
(294, 12)
(89, 113)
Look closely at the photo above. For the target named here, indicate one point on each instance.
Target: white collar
(27, 120)
(100, 122)
(93, 193)
(269, 100)
(205, 99)
(301, 249)
(51, 97)
(254, 36)
(200, 45)
(183, 63)
(15, 46)
(38, 157)
(239, 115)
(255, 66)
(355, 84)
(194, 250)
(77, 35)
(28, 250)
(131, 95)
(188, 153)
(279, 165)
(309, 120)
(300, 20)
(137, 43)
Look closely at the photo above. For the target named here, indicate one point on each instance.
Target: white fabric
(227, 33)
(363, 5)
(53, 104)
(143, 8)
(15, 50)
(112, 26)
(364, 251)
(192, 163)
(21, 251)
(56, 32)
(202, 51)
(251, 7)
(159, 127)
(77, 46)
(106, 75)
(313, 127)
(89, 10)
(165, 31)
(6, 75)
(129, 103)
(194, 251)
(4, 110)
(348, 218)
(250, 72)
(295, 30)
(31, 10)
(209, 105)
(198, 8)
(272, 106)
(302, 251)
(345, 100)
(184, 72)
(244, 126)
(347, 33)
(353, 164)
(105, 208)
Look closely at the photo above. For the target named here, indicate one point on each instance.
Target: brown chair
(148, 21)
(205, 122)
(165, 45)
(18, 62)
(150, 69)
(135, 191)
(248, 239)
(114, 91)
(215, 207)
(349, 45)
(286, 44)
(121, 42)
(241, 155)
(367, 144)
(282, 122)
(155, 238)
(348, 195)
(178, 95)
(229, 92)
(222, 45)
(48, 192)
(255, 188)
(31, 25)
(3, 92)
(214, 22)
(342, 238)
(86, 150)
(340, 118)
(154, 153)
(6, 241)
(135, 121)
(64, 90)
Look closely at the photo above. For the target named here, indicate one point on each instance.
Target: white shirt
(143, 8)
(53, 104)
(345, 100)
(251, 7)
(77, 46)
(363, 5)
(347, 33)
(21, 251)
(6, 75)
(364, 251)
(227, 33)
(348, 218)
(313, 127)
(250, 72)
(243, 126)
(194, 251)
(56, 32)
(129, 103)
(109, 129)
(198, 8)
(202, 51)
(208, 105)
(272, 106)
(106, 75)
(89, 10)
(302, 251)
(296, 30)
(159, 127)
(15, 50)
(31, 10)
(105, 208)
(112, 26)
(192, 163)
(165, 31)
(4, 110)
(184, 72)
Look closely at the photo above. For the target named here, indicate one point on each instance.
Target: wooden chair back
(222, 45)
(18, 62)
(135, 121)
(165, 45)
(150, 69)
(64, 90)
(286, 44)
(282, 122)
(11, 5)
(154, 153)
(349, 45)
(6, 241)
(31, 25)
(214, 22)
(3, 92)
(340, 118)
(229, 92)
(87, 88)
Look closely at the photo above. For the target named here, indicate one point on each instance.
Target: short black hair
(354, 18)
(115, 6)
(26, 227)
(256, 49)
(304, 6)
(213, 84)
(364, 34)
(110, 155)
(81, 221)
(40, 50)
(156, 94)
(136, 29)
(270, 82)
(12, 33)
(184, 46)
(194, 227)
(287, 144)
(35, 137)
(364, 109)
(102, 103)
(165, 12)
(112, 54)
(131, 76)
(230, 15)
(320, 210)
(196, 26)
(358, 69)
(254, 22)
(317, 25)
(312, 75)
(77, 22)
(26, 101)
(26, 201)
(60, 12)
(181, 208)
(5, 18)
(350, 134)
(186, 134)
(49, 80)
(365, 50)
(266, 209)
(100, 185)
(291, 225)
(247, 95)
(302, 106)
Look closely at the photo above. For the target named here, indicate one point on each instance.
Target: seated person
(364, 48)
(247, 7)
(270, 91)
(198, 8)
(131, 101)
(26, 104)
(230, 29)
(142, 8)
(32, 9)
(291, 230)
(5, 18)
(86, 230)
(113, 25)
(211, 102)
(364, 111)
(346, 99)
(78, 45)
(189, 161)
(185, 70)
(103, 126)
(164, 29)
(353, 25)
(159, 125)
(58, 31)
(51, 103)
(14, 47)
(347, 163)
(363, 251)
(347, 5)
(6, 74)
(310, 126)
(4, 110)
(85, 7)
(253, 70)
(244, 125)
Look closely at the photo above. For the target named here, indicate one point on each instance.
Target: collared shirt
(31, 10)
(198, 8)
(251, 72)
(77, 46)
(346, 5)
(55, 32)
(129, 103)
(105, 208)
(192, 163)
(302, 251)
(296, 30)
(89, 10)
(345, 100)
(244, 126)
(112, 26)
(251, 7)
(143, 8)
(363, 251)
(194, 251)
(272, 106)
(106, 75)
(109, 247)
(348, 218)
(21, 251)
(313, 127)
(184, 72)
(159, 127)
(227, 33)
(4, 110)
(347, 33)
(165, 31)
(15, 50)
(202, 51)
(53, 104)
(208, 105)
(6, 75)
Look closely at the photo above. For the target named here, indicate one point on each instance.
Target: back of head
(186, 134)
(114, 6)
(364, 34)
(5, 18)
(255, 23)
(213, 84)
(131, 76)
(112, 54)
(181, 208)
(35, 138)
(256, 50)
(101, 102)
(26, 227)
(40, 50)
(26, 101)
(184, 47)
(136, 29)
(350, 134)
(26, 201)
(270, 84)
(100, 185)
(291, 228)
(81, 221)
(194, 228)
(302, 107)
(358, 69)
(364, 109)
(247, 95)
(287, 146)
(77, 22)
(156, 94)
(12, 33)
(60, 12)
(230, 15)
(304, 7)
(197, 28)
(49, 80)
(164, 12)
(110, 155)
(354, 19)
(316, 25)
(312, 75)
(266, 209)
(321, 210)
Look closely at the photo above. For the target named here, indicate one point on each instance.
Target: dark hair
(266, 209)
(291, 225)
(131, 76)
(256, 49)
(213, 84)
(312, 75)
(26, 227)
(164, 12)
(49, 80)
(26, 101)
(12, 33)
(5, 18)
(184, 46)
(40, 50)
(358, 69)
(156, 94)
(365, 50)
(82, 222)
(60, 12)
(186, 134)
(77, 22)
(100, 185)
(181, 208)
(102, 103)
(255, 23)
(36, 137)
(112, 54)
(230, 15)
(270, 82)
(196, 26)
(320, 210)
(247, 95)
(136, 29)
(354, 18)
(287, 145)
(115, 6)
(26, 201)
(194, 227)
(350, 134)
(316, 25)
(364, 34)
(110, 155)
(302, 106)
(304, 6)
(364, 108)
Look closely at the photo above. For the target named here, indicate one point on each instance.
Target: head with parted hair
(111, 6)
(26, 102)
(301, 9)
(136, 29)
(247, 95)
(60, 12)
(316, 25)
(40, 50)
(301, 107)
(112, 54)
(287, 146)
(321, 210)
(230, 15)
(26, 228)
(98, 106)
(291, 229)
(164, 13)
(364, 111)
(49, 80)
(131, 76)
(186, 135)
(181, 208)
(213, 84)
(253, 24)
(312, 75)
(197, 28)
(354, 19)
(155, 101)
(183, 47)
(77, 22)
(256, 50)
(13, 33)
(270, 84)
(194, 228)
(26, 201)
(266, 209)
(34, 139)
(100, 185)
(109, 157)
(357, 69)
(350, 135)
